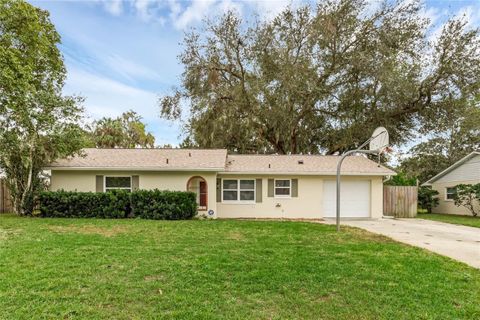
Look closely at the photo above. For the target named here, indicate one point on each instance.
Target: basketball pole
(339, 168)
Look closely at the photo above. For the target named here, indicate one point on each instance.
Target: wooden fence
(5, 199)
(400, 201)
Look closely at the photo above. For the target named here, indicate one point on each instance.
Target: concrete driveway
(461, 243)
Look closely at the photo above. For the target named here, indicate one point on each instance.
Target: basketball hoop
(379, 140)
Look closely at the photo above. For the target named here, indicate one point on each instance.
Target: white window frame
(446, 193)
(238, 201)
(284, 196)
(116, 176)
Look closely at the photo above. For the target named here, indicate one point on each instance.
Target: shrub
(163, 205)
(427, 198)
(154, 204)
(468, 196)
(401, 179)
(114, 204)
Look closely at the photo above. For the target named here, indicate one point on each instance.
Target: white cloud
(269, 9)
(199, 9)
(193, 13)
(114, 7)
(148, 10)
(471, 14)
(127, 68)
(109, 98)
(183, 14)
(432, 14)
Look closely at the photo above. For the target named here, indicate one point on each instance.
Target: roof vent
(300, 161)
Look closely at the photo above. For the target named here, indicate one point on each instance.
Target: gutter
(133, 169)
(286, 173)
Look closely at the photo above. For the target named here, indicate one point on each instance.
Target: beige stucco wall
(85, 181)
(448, 206)
(377, 197)
(308, 204)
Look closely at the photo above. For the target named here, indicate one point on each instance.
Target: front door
(203, 195)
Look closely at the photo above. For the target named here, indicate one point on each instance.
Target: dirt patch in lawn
(365, 235)
(90, 229)
(154, 277)
(235, 236)
(6, 234)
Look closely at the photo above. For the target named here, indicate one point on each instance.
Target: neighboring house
(464, 171)
(233, 186)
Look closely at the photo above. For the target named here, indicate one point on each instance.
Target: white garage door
(355, 199)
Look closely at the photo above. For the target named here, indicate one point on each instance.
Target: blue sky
(122, 55)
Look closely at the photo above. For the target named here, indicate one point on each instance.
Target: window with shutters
(118, 183)
(283, 188)
(238, 190)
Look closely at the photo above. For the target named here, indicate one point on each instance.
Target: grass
(470, 221)
(139, 269)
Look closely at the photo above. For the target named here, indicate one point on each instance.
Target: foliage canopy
(37, 123)
(321, 80)
(125, 131)
(468, 196)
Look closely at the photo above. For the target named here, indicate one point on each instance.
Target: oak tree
(321, 79)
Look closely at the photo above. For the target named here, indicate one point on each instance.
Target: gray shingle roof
(216, 160)
(306, 164)
(145, 159)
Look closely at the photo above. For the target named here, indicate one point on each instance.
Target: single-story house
(233, 186)
(464, 171)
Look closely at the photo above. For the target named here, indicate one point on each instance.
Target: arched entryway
(198, 185)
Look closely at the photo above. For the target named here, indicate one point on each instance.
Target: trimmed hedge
(145, 204)
(163, 205)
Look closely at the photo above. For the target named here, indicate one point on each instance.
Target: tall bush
(163, 205)
(67, 204)
(427, 198)
(145, 204)
(468, 196)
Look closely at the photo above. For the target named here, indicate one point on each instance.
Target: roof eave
(132, 169)
(318, 173)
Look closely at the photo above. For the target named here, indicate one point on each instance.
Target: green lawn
(450, 218)
(139, 269)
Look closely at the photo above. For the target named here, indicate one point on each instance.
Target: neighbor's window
(450, 193)
(238, 190)
(283, 188)
(116, 183)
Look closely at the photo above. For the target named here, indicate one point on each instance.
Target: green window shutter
(219, 190)
(99, 183)
(270, 187)
(258, 195)
(135, 183)
(294, 188)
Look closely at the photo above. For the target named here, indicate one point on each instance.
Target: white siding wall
(467, 173)
(470, 170)
(448, 206)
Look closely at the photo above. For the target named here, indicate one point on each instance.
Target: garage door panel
(355, 199)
